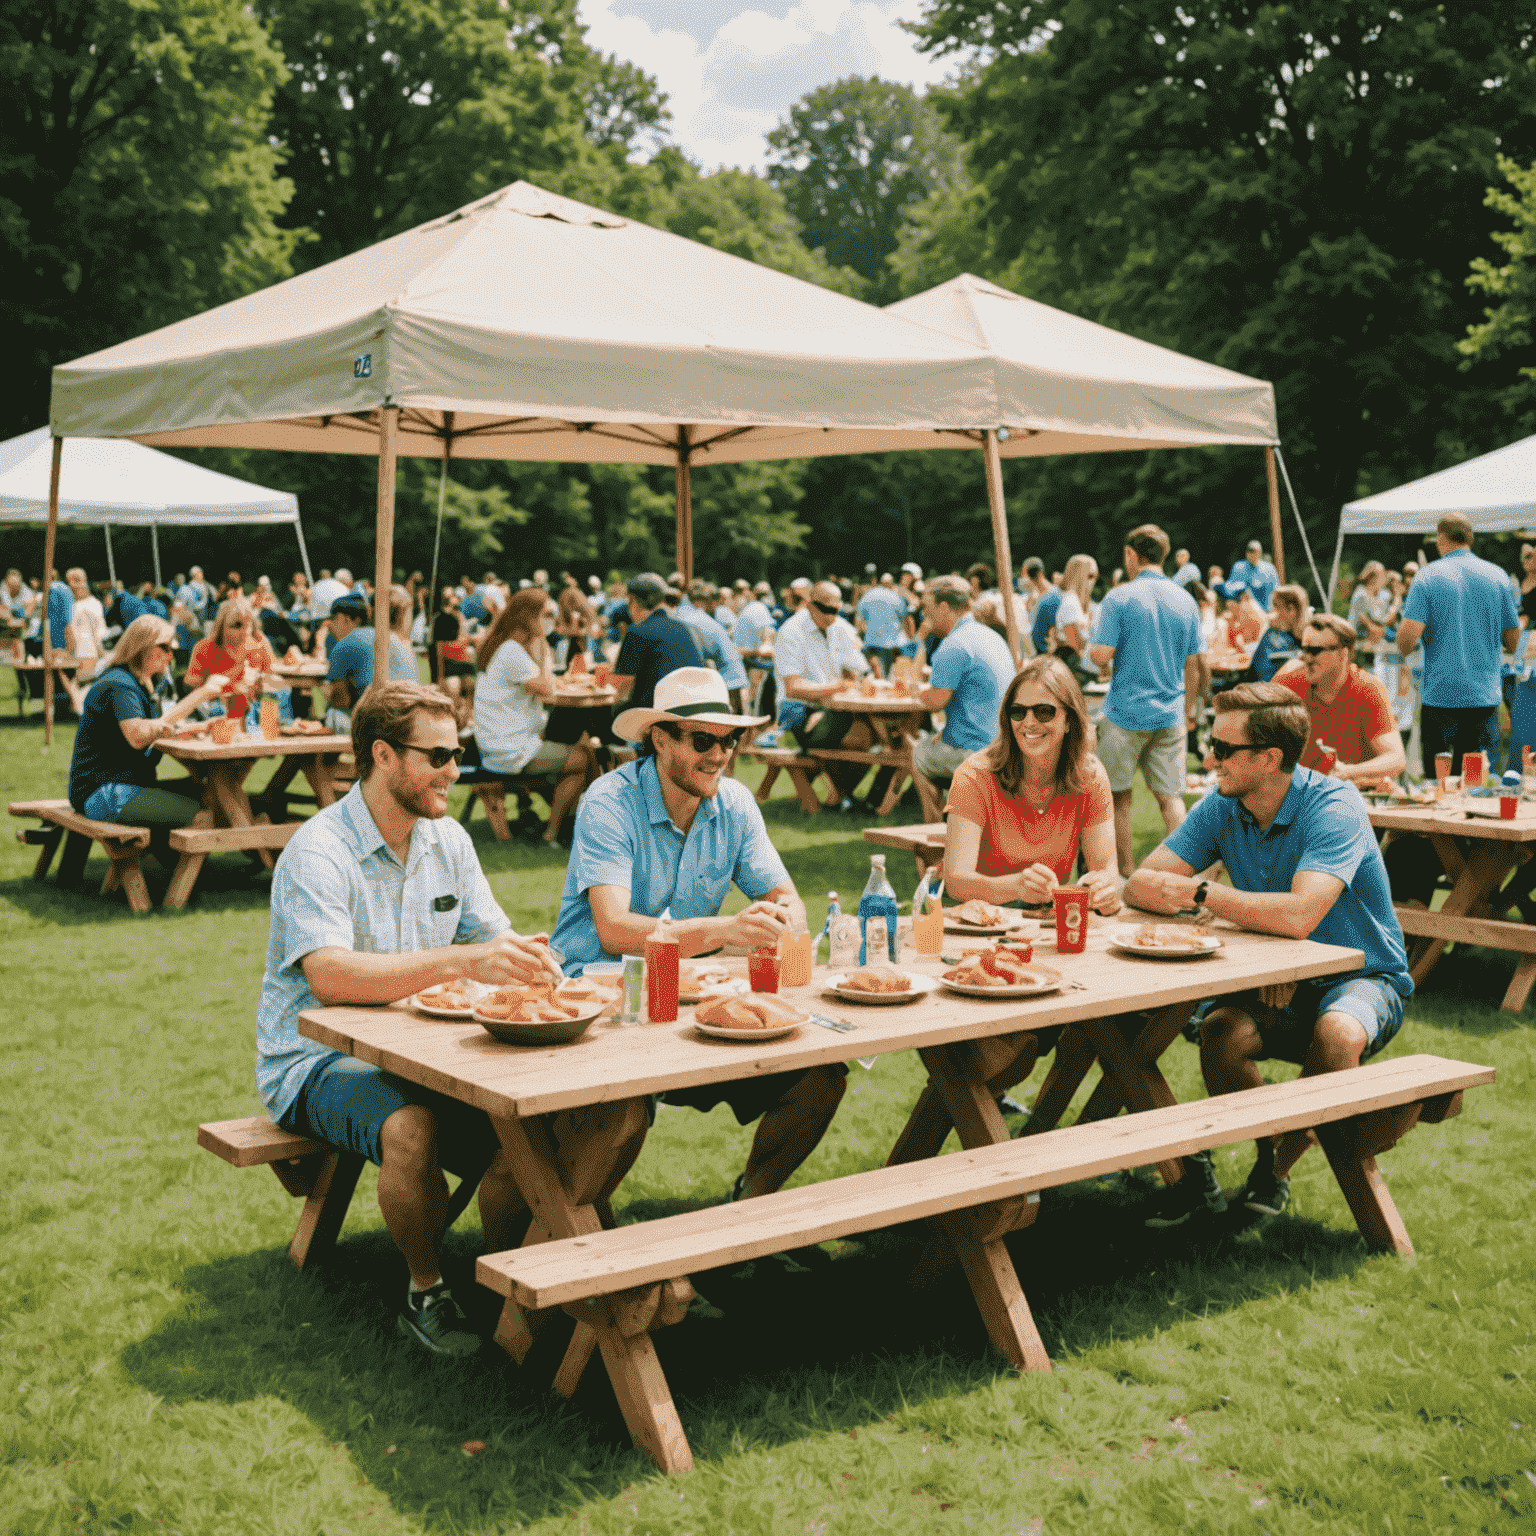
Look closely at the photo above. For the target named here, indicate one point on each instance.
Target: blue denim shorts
(345, 1101)
(1372, 1001)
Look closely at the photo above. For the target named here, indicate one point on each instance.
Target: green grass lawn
(163, 1368)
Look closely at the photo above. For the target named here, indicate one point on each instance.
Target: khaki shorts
(1162, 756)
(934, 758)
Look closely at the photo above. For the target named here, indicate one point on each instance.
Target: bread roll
(878, 978)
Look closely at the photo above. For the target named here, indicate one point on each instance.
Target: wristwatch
(1201, 892)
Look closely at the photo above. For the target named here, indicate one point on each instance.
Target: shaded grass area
(162, 1367)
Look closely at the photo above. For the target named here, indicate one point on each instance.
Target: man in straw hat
(669, 833)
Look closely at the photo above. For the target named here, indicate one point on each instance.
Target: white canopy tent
(1497, 491)
(103, 482)
(528, 326)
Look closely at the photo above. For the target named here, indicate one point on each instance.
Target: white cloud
(732, 77)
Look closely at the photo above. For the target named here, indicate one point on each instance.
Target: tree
(1286, 190)
(137, 179)
(1505, 333)
(851, 160)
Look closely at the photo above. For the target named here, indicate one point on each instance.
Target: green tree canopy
(138, 182)
(1291, 191)
(1506, 334)
(852, 159)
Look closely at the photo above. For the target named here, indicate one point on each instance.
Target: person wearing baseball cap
(654, 645)
(669, 833)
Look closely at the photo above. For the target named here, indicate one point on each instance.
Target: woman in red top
(1022, 810)
(235, 645)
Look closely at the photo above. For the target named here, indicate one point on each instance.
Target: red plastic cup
(763, 968)
(1328, 761)
(1474, 769)
(661, 980)
(601, 673)
(1508, 804)
(1071, 903)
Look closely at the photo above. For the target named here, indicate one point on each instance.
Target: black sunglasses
(1021, 712)
(704, 742)
(1320, 650)
(825, 607)
(1222, 750)
(439, 757)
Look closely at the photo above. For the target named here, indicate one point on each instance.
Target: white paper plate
(1157, 952)
(437, 1010)
(1035, 989)
(732, 986)
(921, 987)
(1011, 923)
(745, 1036)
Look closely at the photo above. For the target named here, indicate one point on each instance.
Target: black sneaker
(433, 1319)
(1264, 1194)
(1196, 1194)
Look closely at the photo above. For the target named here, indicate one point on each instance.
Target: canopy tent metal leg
(684, 508)
(298, 528)
(1000, 548)
(384, 545)
(154, 549)
(48, 544)
(1306, 543)
(442, 497)
(106, 528)
(1274, 512)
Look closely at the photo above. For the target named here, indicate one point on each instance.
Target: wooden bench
(802, 771)
(195, 843)
(321, 1174)
(121, 844)
(978, 1196)
(491, 790)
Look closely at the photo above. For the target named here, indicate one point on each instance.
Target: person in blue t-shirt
(972, 669)
(1464, 611)
(1256, 573)
(1044, 620)
(882, 620)
(1303, 862)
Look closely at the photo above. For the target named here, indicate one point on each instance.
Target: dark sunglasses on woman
(1044, 713)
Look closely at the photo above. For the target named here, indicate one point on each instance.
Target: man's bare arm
(622, 932)
(1409, 633)
(337, 975)
(1390, 760)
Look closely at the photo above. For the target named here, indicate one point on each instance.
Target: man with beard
(373, 899)
(668, 833)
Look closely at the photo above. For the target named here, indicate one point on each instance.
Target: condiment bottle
(661, 973)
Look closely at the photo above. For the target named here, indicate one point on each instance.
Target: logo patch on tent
(362, 367)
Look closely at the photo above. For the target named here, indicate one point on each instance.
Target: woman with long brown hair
(237, 649)
(1021, 810)
(515, 681)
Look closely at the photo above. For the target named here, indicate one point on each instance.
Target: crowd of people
(382, 895)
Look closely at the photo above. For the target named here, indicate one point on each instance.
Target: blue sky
(732, 70)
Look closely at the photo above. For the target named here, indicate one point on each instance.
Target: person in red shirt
(1350, 710)
(235, 645)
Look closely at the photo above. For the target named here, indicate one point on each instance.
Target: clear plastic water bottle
(833, 910)
(878, 900)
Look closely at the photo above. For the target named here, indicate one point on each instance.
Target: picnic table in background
(311, 669)
(21, 666)
(925, 842)
(895, 718)
(1482, 891)
(222, 770)
(555, 1108)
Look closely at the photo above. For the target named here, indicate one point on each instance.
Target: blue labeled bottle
(878, 900)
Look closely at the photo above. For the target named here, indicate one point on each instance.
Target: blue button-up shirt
(751, 623)
(1321, 827)
(1259, 576)
(338, 886)
(716, 644)
(625, 837)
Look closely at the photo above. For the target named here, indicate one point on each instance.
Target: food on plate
(997, 967)
(979, 914)
(530, 1005)
(460, 993)
(1150, 936)
(757, 1010)
(304, 728)
(877, 978)
(704, 979)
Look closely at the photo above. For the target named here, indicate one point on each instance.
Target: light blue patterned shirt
(625, 836)
(338, 886)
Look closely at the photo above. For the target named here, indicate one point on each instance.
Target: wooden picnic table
(311, 669)
(895, 720)
(26, 664)
(1481, 889)
(222, 771)
(582, 698)
(925, 842)
(555, 1108)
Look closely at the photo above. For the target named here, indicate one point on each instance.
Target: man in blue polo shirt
(668, 833)
(1463, 610)
(1256, 573)
(1043, 620)
(1150, 629)
(1303, 862)
(971, 671)
(882, 620)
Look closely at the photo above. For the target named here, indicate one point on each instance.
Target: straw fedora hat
(690, 693)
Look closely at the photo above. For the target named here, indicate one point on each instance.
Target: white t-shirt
(1071, 612)
(509, 721)
(90, 625)
(323, 594)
